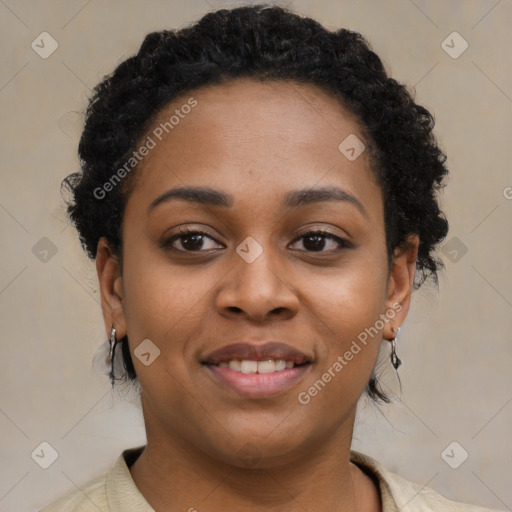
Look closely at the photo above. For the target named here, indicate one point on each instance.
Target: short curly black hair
(263, 42)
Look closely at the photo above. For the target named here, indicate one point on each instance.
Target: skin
(255, 141)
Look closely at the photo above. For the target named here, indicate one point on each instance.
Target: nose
(256, 291)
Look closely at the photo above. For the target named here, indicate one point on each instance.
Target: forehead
(252, 137)
(247, 109)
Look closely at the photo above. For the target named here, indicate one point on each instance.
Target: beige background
(456, 344)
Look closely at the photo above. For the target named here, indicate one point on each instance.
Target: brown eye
(315, 241)
(190, 241)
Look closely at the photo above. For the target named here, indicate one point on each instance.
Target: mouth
(248, 366)
(257, 371)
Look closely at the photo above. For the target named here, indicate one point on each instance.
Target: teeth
(249, 366)
(246, 366)
(280, 365)
(266, 366)
(235, 365)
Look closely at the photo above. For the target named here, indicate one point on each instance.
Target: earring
(395, 361)
(112, 351)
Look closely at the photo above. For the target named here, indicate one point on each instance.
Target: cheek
(160, 297)
(173, 307)
(347, 309)
(351, 298)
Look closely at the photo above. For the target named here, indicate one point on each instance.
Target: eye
(190, 240)
(314, 241)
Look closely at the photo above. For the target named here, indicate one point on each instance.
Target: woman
(260, 200)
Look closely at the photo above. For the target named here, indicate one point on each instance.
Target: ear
(400, 285)
(111, 288)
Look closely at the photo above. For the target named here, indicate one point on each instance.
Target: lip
(257, 385)
(257, 352)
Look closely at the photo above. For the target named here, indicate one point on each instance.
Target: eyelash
(184, 232)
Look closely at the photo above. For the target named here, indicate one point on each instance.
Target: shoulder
(91, 497)
(114, 491)
(409, 496)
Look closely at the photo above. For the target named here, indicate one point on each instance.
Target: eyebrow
(211, 197)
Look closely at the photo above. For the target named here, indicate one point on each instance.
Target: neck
(172, 476)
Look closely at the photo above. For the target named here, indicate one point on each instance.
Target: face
(281, 262)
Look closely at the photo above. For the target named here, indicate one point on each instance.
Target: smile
(247, 366)
(257, 379)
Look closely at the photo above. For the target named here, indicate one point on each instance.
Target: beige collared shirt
(115, 491)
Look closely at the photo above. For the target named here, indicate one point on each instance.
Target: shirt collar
(375, 471)
(122, 493)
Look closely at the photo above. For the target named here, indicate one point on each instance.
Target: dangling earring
(395, 361)
(112, 351)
